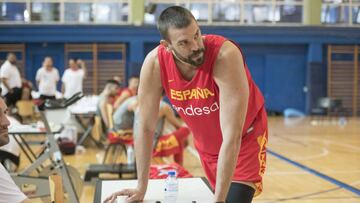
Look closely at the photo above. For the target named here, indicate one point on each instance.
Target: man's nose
(194, 46)
(4, 121)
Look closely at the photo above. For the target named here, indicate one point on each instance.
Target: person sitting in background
(130, 91)
(73, 77)
(27, 87)
(10, 80)
(118, 79)
(165, 144)
(120, 89)
(123, 116)
(46, 78)
(10, 153)
(109, 91)
(9, 192)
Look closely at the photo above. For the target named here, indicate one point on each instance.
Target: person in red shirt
(208, 83)
(128, 92)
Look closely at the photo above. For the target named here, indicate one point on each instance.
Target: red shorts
(172, 143)
(251, 162)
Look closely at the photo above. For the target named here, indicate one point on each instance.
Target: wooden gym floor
(306, 162)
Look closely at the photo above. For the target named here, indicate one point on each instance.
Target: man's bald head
(11, 57)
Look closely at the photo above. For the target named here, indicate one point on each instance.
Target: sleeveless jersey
(197, 100)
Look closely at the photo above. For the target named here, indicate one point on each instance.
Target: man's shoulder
(6, 65)
(7, 68)
(152, 58)
(227, 49)
(66, 72)
(153, 54)
(40, 70)
(55, 71)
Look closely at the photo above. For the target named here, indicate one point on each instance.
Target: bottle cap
(171, 173)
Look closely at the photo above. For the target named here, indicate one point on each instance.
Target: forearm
(143, 150)
(120, 100)
(104, 114)
(225, 168)
(37, 85)
(117, 102)
(4, 81)
(83, 67)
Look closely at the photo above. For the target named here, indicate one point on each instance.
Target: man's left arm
(230, 76)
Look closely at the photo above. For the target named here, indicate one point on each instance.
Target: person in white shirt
(10, 80)
(46, 78)
(73, 78)
(9, 192)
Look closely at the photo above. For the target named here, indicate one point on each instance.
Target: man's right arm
(4, 75)
(6, 84)
(37, 78)
(63, 80)
(62, 88)
(104, 112)
(150, 89)
(149, 96)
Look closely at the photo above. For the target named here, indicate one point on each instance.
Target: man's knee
(240, 193)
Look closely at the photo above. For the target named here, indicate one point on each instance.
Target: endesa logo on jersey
(194, 94)
(197, 111)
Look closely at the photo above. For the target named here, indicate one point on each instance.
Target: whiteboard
(190, 189)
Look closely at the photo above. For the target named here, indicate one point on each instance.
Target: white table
(32, 129)
(19, 130)
(85, 108)
(51, 154)
(190, 189)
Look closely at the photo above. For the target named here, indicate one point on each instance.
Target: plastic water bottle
(130, 155)
(171, 187)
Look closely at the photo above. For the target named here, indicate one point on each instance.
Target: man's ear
(165, 44)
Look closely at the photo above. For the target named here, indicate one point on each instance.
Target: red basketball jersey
(197, 101)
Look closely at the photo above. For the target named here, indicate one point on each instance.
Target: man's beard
(197, 62)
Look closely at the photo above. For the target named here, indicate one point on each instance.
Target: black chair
(327, 107)
(63, 103)
(322, 106)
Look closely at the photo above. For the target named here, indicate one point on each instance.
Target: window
(12, 12)
(340, 12)
(256, 13)
(153, 11)
(226, 12)
(235, 11)
(78, 13)
(356, 12)
(45, 12)
(289, 11)
(110, 12)
(200, 11)
(65, 11)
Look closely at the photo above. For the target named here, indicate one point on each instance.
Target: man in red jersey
(209, 84)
